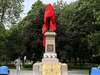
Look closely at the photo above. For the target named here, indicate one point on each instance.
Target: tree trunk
(80, 62)
(69, 60)
(0, 64)
(6, 62)
(83, 61)
(75, 60)
(33, 62)
(71, 64)
(3, 12)
(23, 62)
(90, 60)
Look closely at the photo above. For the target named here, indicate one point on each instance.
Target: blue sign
(3, 70)
(95, 71)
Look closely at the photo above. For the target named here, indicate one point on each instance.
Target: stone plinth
(49, 57)
(37, 68)
(50, 42)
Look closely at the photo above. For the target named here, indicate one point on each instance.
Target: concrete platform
(13, 72)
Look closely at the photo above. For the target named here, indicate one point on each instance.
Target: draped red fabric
(49, 12)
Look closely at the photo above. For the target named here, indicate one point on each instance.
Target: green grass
(86, 67)
(12, 66)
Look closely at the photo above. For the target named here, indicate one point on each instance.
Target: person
(18, 61)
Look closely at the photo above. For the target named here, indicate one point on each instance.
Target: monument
(50, 65)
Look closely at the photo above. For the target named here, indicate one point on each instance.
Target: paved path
(13, 72)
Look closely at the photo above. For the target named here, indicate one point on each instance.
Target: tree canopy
(10, 11)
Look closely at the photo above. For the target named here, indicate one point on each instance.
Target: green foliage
(2, 35)
(33, 42)
(83, 22)
(58, 8)
(13, 45)
(79, 19)
(11, 8)
(94, 41)
(67, 13)
(32, 14)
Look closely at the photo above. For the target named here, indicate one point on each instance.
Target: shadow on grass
(86, 67)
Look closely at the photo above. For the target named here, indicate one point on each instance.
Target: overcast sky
(28, 4)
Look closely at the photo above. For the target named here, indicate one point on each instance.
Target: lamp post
(25, 59)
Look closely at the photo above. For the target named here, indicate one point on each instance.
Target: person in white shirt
(18, 61)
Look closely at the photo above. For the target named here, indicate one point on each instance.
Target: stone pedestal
(49, 57)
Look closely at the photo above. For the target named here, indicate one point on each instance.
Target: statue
(49, 20)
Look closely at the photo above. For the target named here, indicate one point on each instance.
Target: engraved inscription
(50, 37)
(50, 48)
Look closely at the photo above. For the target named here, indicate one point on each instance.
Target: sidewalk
(13, 72)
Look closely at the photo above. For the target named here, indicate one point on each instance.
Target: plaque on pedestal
(49, 47)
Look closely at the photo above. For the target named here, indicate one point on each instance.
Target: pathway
(13, 72)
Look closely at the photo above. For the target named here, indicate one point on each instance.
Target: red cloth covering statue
(49, 12)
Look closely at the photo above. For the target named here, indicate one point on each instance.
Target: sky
(28, 3)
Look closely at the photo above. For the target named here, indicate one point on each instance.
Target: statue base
(50, 65)
(38, 67)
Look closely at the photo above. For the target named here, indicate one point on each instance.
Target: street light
(24, 58)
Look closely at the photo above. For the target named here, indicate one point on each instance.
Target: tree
(94, 41)
(58, 8)
(2, 34)
(67, 17)
(32, 43)
(67, 13)
(32, 14)
(64, 9)
(4, 53)
(12, 46)
(81, 26)
(11, 8)
(2, 39)
(19, 30)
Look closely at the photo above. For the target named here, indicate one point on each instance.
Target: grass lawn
(86, 67)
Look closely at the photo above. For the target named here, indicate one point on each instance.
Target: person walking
(18, 61)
